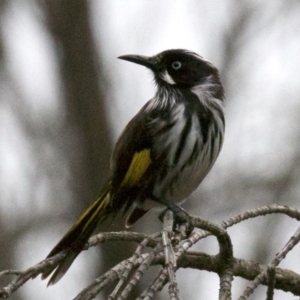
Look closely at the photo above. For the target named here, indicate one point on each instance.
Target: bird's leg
(182, 226)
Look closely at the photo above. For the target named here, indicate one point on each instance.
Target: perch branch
(223, 264)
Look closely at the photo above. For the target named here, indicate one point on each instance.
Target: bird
(164, 152)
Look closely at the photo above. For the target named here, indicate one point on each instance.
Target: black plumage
(163, 153)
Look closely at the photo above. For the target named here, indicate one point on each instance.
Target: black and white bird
(163, 153)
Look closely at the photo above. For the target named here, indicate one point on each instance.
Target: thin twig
(135, 257)
(10, 272)
(143, 266)
(128, 236)
(32, 272)
(225, 254)
(170, 258)
(293, 241)
(162, 278)
(127, 270)
(157, 285)
(114, 273)
(261, 211)
(271, 279)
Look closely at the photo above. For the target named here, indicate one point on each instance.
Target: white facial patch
(167, 78)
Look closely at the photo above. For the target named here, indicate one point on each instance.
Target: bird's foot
(182, 226)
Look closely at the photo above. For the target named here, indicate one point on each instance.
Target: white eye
(176, 65)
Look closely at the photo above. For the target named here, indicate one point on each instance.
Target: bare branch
(262, 211)
(294, 240)
(122, 236)
(157, 249)
(143, 266)
(24, 276)
(226, 255)
(124, 277)
(271, 283)
(170, 259)
(286, 280)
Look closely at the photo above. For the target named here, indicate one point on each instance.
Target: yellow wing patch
(139, 164)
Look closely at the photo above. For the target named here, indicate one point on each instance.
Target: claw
(183, 226)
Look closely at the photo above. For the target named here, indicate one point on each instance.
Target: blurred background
(65, 98)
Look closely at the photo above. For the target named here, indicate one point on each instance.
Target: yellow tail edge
(77, 236)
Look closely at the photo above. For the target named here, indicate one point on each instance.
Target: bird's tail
(77, 236)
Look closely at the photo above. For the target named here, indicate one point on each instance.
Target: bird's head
(177, 68)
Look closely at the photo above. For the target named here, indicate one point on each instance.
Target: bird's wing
(135, 161)
(133, 155)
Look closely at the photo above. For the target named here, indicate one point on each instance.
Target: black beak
(139, 59)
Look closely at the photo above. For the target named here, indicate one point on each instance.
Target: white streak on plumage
(204, 91)
(167, 78)
(175, 189)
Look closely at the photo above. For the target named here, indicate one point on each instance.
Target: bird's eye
(176, 65)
